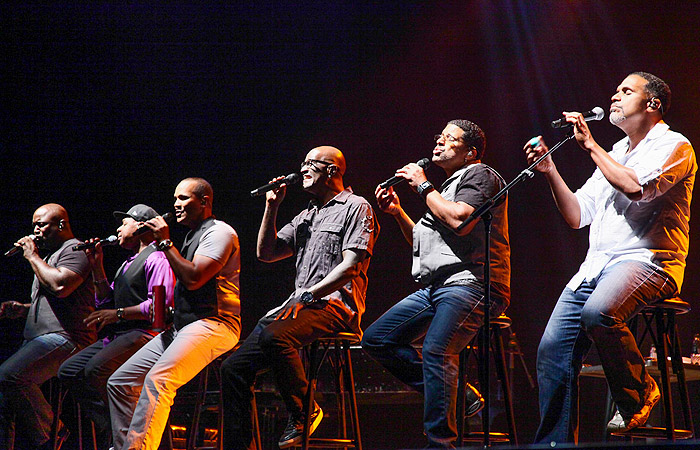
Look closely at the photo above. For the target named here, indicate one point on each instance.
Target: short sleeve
(361, 228)
(477, 185)
(218, 243)
(75, 261)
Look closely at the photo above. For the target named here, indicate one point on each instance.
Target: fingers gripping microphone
(290, 179)
(113, 240)
(596, 113)
(393, 181)
(14, 250)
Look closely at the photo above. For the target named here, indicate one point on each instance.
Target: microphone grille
(599, 113)
(423, 163)
(292, 178)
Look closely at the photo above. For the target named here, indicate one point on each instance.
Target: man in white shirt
(637, 203)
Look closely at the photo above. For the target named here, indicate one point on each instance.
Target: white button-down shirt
(653, 229)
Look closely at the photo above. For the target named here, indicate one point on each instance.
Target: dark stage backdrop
(107, 104)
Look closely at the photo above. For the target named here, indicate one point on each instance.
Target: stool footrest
(478, 436)
(335, 443)
(654, 432)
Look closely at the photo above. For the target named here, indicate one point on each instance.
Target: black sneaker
(473, 402)
(294, 432)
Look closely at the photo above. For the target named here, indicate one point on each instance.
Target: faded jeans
(448, 317)
(597, 312)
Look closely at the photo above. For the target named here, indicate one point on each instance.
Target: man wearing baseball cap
(122, 317)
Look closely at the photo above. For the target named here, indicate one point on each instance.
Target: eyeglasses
(446, 137)
(312, 164)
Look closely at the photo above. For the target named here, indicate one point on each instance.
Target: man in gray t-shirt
(60, 300)
(449, 262)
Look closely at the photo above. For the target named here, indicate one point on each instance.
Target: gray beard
(617, 118)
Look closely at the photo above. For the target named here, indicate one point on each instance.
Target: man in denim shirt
(332, 241)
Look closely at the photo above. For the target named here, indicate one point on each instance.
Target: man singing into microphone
(123, 316)
(637, 203)
(60, 299)
(332, 240)
(206, 324)
(448, 311)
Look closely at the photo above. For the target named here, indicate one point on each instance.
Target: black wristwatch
(120, 314)
(424, 188)
(165, 245)
(307, 298)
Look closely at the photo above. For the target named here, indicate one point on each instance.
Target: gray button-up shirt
(319, 235)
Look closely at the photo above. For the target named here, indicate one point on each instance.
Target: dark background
(106, 105)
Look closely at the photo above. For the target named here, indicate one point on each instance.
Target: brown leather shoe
(620, 424)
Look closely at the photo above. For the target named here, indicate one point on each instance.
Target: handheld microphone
(596, 113)
(113, 240)
(290, 179)
(14, 250)
(423, 163)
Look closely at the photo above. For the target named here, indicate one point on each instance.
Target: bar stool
(497, 350)
(659, 320)
(58, 395)
(204, 390)
(341, 363)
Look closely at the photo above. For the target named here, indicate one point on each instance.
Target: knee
(270, 343)
(595, 319)
(233, 371)
(372, 342)
(548, 350)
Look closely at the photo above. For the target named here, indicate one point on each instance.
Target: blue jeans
(21, 401)
(448, 318)
(597, 312)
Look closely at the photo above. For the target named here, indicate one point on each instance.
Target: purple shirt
(158, 273)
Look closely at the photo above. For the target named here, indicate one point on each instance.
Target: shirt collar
(656, 132)
(341, 197)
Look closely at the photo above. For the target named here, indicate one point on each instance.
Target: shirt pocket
(329, 240)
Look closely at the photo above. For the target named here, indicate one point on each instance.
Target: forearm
(102, 288)
(452, 214)
(184, 270)
(136, 312)
(566, 201)
(267, 235)
(623, 179)
(336, 279)
(406, 225)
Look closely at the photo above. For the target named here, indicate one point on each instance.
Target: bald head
(330, 154)
(51, 225)
(53, 211)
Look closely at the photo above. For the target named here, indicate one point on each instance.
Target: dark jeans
(21, 401)
(448, 318)
(86, 373)
(272, 344)
(598, 312)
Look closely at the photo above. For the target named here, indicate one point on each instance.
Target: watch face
(307, 298)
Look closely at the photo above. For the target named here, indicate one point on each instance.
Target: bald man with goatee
(54, 329)
(332, 241)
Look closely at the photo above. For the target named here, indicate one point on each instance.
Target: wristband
(120, 313)
(424, 188)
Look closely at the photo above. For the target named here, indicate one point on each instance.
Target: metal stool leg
(662, 351)
(500, 360)
(350, 388)
(311, 391)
